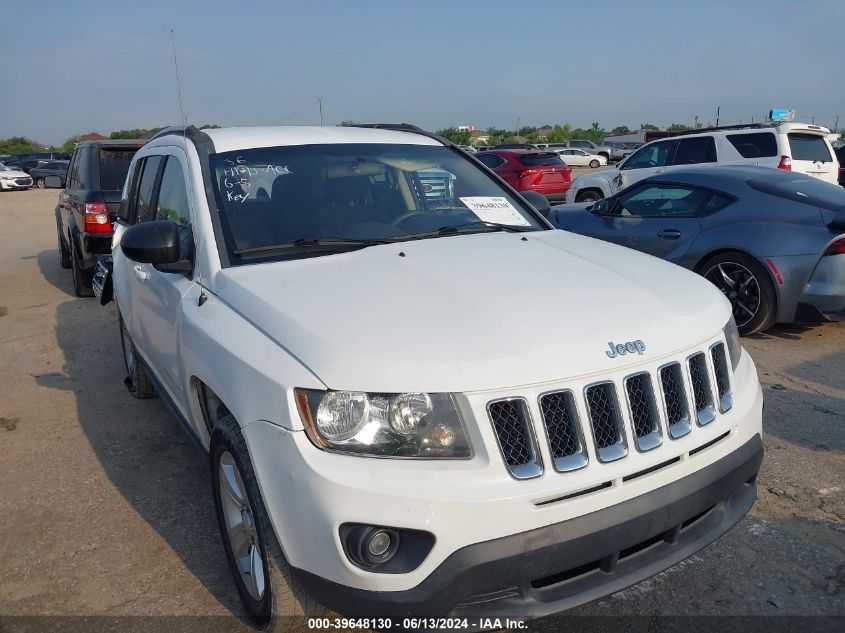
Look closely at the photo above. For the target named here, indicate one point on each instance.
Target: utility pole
(321, 110)
(836, 125)
(695, 125)
(718, 109)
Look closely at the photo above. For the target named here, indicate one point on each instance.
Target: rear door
(697, 150)
(812, 155)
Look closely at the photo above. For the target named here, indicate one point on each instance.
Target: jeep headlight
(732, 339)
(413, 424)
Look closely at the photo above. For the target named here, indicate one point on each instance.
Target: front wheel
(588, 195)
(269, 589)
(137, 379)
(747, 285)
(594, 163)
(39, 182)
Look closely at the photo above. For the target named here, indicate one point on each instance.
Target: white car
(390, 433)
(11, 178)
(579, 158)
(792, 146)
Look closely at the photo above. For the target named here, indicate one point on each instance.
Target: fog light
(379, 543)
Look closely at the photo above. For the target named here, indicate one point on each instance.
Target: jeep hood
(473, 312)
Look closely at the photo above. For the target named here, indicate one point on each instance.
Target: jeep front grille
(705, 413)
(723, 381)
(645, 419)
(675, 400)
(560, 419)
(606, 421)
(512, 423)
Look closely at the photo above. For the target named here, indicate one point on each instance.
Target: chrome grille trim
(721, 372)
(605, 421)
(514, 430)
(701, 391)
(562, 427)
(673, 393)
(643, 412)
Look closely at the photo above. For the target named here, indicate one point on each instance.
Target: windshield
(282, 202)
(3, 167)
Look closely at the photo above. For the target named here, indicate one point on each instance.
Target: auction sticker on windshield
(494, 209)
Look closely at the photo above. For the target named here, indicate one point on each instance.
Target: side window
(144, 202)
(692, 151)
(172, 202)
(72, 169)
(754, 144)
(83, 168)
(491, 160)
(716, 202)
(653, 155)
(125, 211)
(661, 201)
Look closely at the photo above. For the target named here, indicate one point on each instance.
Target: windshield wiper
(479, 226)
(328, 243)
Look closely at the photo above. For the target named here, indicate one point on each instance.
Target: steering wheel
(405, 216)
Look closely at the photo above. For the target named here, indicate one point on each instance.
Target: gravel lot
(105, 508)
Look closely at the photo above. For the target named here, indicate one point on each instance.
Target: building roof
(92, 136)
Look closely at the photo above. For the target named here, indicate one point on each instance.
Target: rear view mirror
(539, 202)
(53, 182)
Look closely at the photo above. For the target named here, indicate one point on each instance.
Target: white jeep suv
(423, 406)
(792, 146)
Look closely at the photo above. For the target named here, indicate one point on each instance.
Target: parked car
(388, 432)
(530, 170)
(469, 149)
(46, 156)
(772, 241)
(791, 147)
(27, 165)
(54, 168)
(621, 149)
(12, 178)
(584, 144)
(88, 205)
(580, 158)
(840, 156)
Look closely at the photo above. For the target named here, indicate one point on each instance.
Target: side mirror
(600, 207)
(53, 182)
(540, 203)
(159, 243)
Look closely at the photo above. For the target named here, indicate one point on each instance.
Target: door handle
(140, 273)
(669, 234)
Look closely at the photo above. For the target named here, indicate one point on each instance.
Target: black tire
(594, 163)
(137, 380)
(81, 279)
(284, 605)
(39, 182)
(748, 286)
(64, 251)
(588, 195)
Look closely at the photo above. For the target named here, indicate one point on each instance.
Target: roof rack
(744, 126)
(405, 127)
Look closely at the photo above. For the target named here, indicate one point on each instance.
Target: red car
(530, 170)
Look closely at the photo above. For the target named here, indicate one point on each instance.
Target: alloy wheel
(240, 527)
(741, 288)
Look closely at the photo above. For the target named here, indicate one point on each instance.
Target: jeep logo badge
(625, 348)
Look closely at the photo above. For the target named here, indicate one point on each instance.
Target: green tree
(649, 126)
(137, 132)
(620, 129)
(18, 145)
(459, 137)
(70, 144)
(679, 127)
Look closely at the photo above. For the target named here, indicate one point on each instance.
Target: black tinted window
(145, 188)
(72, 170)
(754, 144)
(114, 165)
(654, 155)
(172, 197)
(491, 160)
(661, 201)
(808, 147)
(692, 151)
(716, 202)
(537, 160)
(801, 188)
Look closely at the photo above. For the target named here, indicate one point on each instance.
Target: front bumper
(560, 566)
(16, 183)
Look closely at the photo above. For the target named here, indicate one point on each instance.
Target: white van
(793, 146)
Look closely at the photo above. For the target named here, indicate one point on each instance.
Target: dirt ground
(105, 508)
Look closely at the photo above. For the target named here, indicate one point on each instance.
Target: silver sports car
(773, 241)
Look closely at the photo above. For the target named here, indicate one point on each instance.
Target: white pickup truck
(417, 410)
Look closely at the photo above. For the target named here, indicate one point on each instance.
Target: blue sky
(71, 67)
